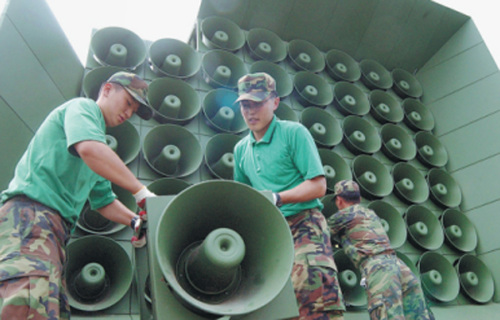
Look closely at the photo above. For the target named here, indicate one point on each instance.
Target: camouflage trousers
(314, 273)
(32, 255)
(393, 291)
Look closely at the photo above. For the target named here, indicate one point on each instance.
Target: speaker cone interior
(417, 116)
(305, 56)
(391, 220)
(350, 99)
(219, 156)
(360, 136)
(397, 144)
(475, 278)
(174, 58)
(323, 126)
(374, 179)
(459, 230)
(385, 108)
(406, 85)
(222, 69)
(409, 183)
(221, 33)
(430, 151)
(266, 45)
(336, 168)
(341, 66)
(374, 75)
(439, 279)
(444, 190)
(424, 228)
(312, 89)
(221, 112)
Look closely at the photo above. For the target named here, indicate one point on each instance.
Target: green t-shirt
(285, 157)
(51, 172)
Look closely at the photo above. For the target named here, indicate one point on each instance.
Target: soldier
(281, 156)
(393, 291)
(66, 163)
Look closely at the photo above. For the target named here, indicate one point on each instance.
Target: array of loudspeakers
(368, 123)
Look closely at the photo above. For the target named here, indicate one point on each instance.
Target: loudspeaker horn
(430, 151)
(439, 279)
(98, 273)
(124, 140)
(285, 112)
(174, 100)
(397, 144)
(476, 279)
(168, 186)
(341, 66)
(406, 85)
(305, 56)
(409, 183)
(172, 150)
(323, 126)
(219, 155)
(349, 279)
(284, 84)
(93, 80)
(458, 230)
(119, 47)
(93, 222)
(222, 69)
(312, 89)
(445, 191)
(417, 116)
(350, 99)
(391, 220)
(385, 108)
(423, 227)
(360, 136)
(374, 179)
(374, 75)
(335, 167)
(173, 58)
(264, 44)
(221, 33)
(223, 262)
(221, 113)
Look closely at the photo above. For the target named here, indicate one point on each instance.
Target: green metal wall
(440, 46)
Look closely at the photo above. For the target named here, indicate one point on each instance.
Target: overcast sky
(157, 19)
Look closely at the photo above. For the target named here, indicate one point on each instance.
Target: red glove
(139, 238)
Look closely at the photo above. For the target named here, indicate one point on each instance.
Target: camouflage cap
(137, 88)
(256, 87)
(347, 188)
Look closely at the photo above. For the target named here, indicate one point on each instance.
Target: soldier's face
(258, 115)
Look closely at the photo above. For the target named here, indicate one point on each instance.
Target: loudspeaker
(231, 258)
(475, 278)
(219, 155)
(119, 47)
(397, 144)
(124, 140)
(93, 222)
(409, 183)
(173, 58)
(445, 191)
(360, 136)
(285, 112)
(221, 112)
(430, 151)
(391, 220)
(312, 89)
(172, 150)
(222, 69)
(174, 100)
(439, 279)
(458, 230)
(374, 75)
(350, 99)
(305, 56)
(329, 208)
(341, 66)
(385, 108)
(423, 227)
(349, 279)
(417, 116)
(265, 45)
(335, 167)
(168, 186)
(323, 126)
(406, 85)
(93, 80)
(98, 272)
(221, 33)
(284, 84)
(374, 179)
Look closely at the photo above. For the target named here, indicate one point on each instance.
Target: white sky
(156, 19)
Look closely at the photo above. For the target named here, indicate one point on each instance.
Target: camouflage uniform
(285, 157)
(393, 291)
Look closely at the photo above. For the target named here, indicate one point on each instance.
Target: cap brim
(144, 111)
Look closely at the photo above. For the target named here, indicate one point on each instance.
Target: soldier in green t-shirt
(281, 156)
(66, 163)
(393, 291)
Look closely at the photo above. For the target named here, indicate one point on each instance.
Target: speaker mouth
(392, 221)
(397, 144)
(341, 66)
(285, 112)
(409, 183)
(168, 186)
(430, 151)
(360, 136)
(221, 113)
(374, 179)
(424, 228)
(219, 155)
(349, 279)
(385, 108)
(417, 116)
(323, 126)
(476, 280)
(174, 58)
(350, 99)
(444, 190)
(312, 89)
(221, 33)
(405, 84)
(459, 230)
(266, 45)
(374, 75)
(335, 167)
(304, 56)
(439, 279)
(222, 69)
